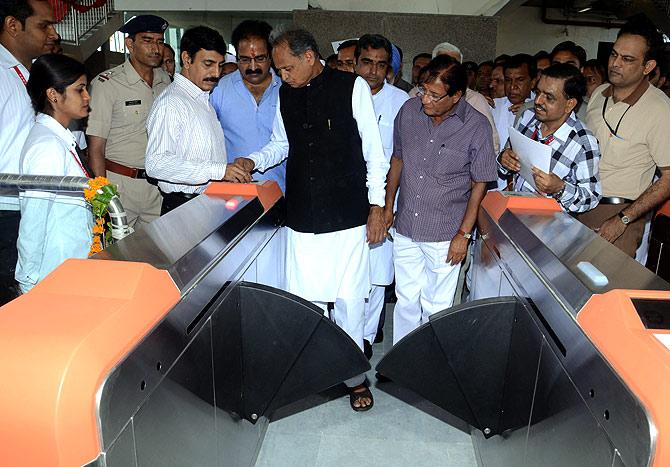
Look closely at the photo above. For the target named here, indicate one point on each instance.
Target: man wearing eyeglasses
(245, 101)
(442, 160)
(630, 119)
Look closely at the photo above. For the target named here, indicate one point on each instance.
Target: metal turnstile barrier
(159, 351)
(540, 363)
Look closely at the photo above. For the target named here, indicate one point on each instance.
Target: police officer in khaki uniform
(120, 102)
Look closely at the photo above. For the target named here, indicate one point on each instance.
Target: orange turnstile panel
(497, 202)
(638, 354)
(58, 344)
(267, 191)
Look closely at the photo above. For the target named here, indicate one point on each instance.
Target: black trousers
(9, 233)
(174, 200)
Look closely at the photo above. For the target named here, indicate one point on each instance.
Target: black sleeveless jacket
(325, 171)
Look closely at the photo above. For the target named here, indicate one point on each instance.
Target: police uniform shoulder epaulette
(105, 76)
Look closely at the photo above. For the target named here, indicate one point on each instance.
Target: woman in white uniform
(53, 227)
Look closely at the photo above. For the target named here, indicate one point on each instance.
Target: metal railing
(81, 17)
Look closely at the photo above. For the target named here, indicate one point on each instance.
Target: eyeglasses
(257, 59)
(422, 92)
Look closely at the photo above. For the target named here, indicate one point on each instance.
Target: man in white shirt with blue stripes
(186, 148)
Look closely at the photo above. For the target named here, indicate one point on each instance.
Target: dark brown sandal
(355, 396)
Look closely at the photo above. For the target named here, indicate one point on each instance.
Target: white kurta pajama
(334, 266)
(387, 103)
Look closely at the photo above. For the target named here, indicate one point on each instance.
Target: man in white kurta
(335, 178)
(373, 56)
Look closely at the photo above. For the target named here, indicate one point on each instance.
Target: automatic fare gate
(157, 352)
(552, 364)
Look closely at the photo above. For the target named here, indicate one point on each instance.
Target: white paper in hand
(531, 154)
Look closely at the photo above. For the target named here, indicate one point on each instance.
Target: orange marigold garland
(98, 194)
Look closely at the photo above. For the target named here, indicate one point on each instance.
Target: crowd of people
(382, 178)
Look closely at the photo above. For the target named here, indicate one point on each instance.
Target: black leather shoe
(367, 349)
(381, 378)
(379, 338)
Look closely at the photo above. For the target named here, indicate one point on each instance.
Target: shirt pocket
(451, 163)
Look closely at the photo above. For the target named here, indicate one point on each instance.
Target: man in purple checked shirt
(442, 160)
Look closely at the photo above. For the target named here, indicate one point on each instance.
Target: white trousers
(424, 282)
(348, 315)
(373, 310)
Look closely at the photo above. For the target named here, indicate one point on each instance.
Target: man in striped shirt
(442, 160)
(186, 147)
(573, 180)
(26, 32)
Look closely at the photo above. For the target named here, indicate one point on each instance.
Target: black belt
(10, 213)
(615, 200)
(180, 194)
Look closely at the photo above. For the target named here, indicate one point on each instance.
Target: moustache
(213, 79)
(253, 72)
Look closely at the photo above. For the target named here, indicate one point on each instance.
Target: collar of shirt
(7, 60)
(58, 129)
(321, 76)
(133, 77)
(239, 81)
(634, 96)
(189, 88)
(506, 104)
(562, 134)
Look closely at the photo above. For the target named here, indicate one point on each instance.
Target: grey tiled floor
(400, 430)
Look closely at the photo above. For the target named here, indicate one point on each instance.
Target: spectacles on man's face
(421, 92)
(247, 60)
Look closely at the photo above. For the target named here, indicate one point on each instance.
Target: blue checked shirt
(574, 159)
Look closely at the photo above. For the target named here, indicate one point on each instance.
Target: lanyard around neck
(81, 166)
(614, 132)
(18, 72)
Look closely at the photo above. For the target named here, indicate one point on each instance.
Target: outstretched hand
(236, 174)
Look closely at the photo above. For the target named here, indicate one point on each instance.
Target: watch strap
(467, 235)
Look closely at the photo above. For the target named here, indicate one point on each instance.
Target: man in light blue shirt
(246, 100)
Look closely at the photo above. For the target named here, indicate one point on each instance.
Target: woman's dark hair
(51, 71)
(201, 37)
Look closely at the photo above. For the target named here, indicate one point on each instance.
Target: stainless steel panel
(239, 440)
(568, 242)
(540, 254)
(486, 273)
(122, 454)
(563, 430)
(189, 240)
(176, 425)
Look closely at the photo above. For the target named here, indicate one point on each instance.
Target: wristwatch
(559, 194)
(467, 235)
(624, 218)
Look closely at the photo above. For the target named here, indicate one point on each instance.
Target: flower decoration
(99, 194)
